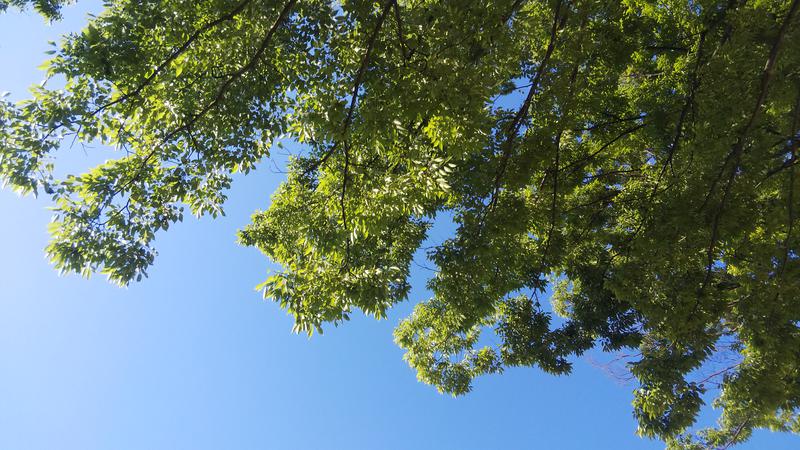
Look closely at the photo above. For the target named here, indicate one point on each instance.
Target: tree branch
(694, 84)
(790, 196)
(342, 199)
(175, 54)
(738, 148)
(404, 47)
(356, 87)
(577, 164)
(217, 98)
(514, 7)
(522, 112)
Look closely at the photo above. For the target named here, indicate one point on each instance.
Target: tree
(638, 155)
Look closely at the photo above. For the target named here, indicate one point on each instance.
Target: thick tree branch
(342, 199)
(522, 112)
(511, 11)
(554, 199)
(362, 70)
(694, 84)
(405, 49)
(738, 148)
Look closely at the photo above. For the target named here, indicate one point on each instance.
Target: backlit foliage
(639, 155)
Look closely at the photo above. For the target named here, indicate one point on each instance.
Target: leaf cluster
(637, 155)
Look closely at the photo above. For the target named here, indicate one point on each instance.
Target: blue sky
(193, 358)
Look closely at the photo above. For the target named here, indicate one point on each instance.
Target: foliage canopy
(639, 155)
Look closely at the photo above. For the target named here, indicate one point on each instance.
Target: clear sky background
(193, 358)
